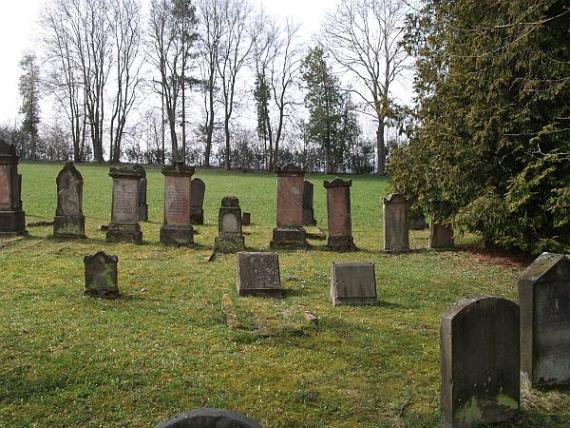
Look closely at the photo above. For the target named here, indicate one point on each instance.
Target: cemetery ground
(173, 342)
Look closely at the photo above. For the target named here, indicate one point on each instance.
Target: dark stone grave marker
(353, 283)
(396, 228)
(69, 221)
(441, 235)
(12, 217)
(308, 210)
(101, 276)
(230, 237)
(143, 207)
(198, 192)
(258, 275)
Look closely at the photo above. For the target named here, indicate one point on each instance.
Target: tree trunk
(209, 127)
(380, 147)
(227, 134)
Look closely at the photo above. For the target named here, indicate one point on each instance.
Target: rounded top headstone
(290, 169)
(209, 418)
(396, 198)
(69, 168)
(101, 256)
(337, 182)
(230, 201)
(178, 169)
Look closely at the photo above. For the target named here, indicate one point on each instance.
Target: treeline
(490, 146)
(213, 82)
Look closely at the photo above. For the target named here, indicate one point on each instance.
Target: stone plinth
(308, 210)
(353, 283)
(396, 228)
(177, 227)
(143, 207)
(209, 418)
(258, 275)
(230, 237)
(124, 225)
(339, 215)
(544, 299)
(441, 235)
(289, 232)
(101, 276)
(12, 216)
(198, 192)
(69, 221)
(480, 362)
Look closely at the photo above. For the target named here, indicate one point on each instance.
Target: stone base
(309, 217)
(396, 250)
(143, 212)
(177, 235)
(13, 222)
(226, 243)
(125, 233)
(261, 292)
(289, 237)
(103, 294)
(197, 216)
(69, 226)
(341, 243)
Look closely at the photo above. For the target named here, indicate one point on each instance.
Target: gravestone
(177, 227)
(480, 362)
(246, 219)
(544, 298)
(69, 220)
(101, 276)
(339, 215)
(258, 275)
(12, 217)
(353, 283)
(308, 211)
(396, 232)
(441, 235)
(198, 191)
(290, 232)
(230, 237)
(209, 418)
(418, 221)
(124, 225)
(143, 207)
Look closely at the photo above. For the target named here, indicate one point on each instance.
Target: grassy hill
(165, 347)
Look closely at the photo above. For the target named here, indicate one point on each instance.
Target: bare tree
(125, 20)
(365, 37)
(234, 51)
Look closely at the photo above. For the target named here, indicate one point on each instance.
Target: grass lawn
(69, 360)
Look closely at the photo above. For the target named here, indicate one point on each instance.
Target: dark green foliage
(30, 109)
(492, 148)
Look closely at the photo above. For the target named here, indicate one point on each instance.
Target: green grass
(70, 360)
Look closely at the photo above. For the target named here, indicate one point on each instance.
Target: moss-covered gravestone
(101, 276)
(258, 275)
(441, 235)
(480, 362)
(544, 299)
(12, 217)
(69, 221)
(125, 214)
(230, 237)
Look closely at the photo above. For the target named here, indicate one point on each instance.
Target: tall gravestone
(308, 210)
(177, 228)
(290, 232)
(69, 221)
(101, 275)
(258, 275)
(339, 215)
(441, 235)
(230, 237)
(12, 217)
(544, 298)
(143, 207)
(124, 225)
(480, 362)
(198, 192)
(396, 227)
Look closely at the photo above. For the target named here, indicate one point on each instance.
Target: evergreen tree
(30, 92)
(262, 95)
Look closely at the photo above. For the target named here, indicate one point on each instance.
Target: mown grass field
(68, 360)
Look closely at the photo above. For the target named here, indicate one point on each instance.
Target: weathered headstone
(230, 237)
(143, 207)
(396, 231)
(480, 362)
(177, 227)
(209, 418)
(69, 220)
(124, 225)
(339, 215)
(418, 221)
(198, 191)
(246, 219)
(258, 275)
(544, 299)
(441, 235)
(12, 217)
(101, 275)
(308, 211)
(290, 232)
(353, 283)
